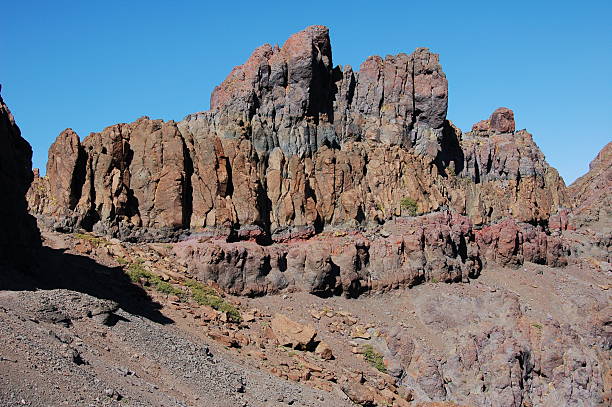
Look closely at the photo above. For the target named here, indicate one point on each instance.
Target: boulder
(291, 333)
(324, 351)
(500, 121)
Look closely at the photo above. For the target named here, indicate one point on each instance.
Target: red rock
(264, 163)
(501, 121)
(592, 193)
(291, 333)
(224, 339)
(324, 351)
(512, 243)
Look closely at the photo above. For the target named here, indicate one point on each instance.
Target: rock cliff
(592, 193)
(291, 145)
(309, 178)
(20, 234)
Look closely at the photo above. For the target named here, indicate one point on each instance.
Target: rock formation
(309, 178)
(291, 145)
(592, 193)
(20, 234)
(435, 247)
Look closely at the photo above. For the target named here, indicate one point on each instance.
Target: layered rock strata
(20, 235)
(435, 247)
(292, 145)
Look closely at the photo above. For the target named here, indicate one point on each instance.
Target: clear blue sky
(90, 64)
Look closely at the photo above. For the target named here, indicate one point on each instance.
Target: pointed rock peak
(314, 38)
(305, 59)
(68, 134)
(604, 157)
(501, 121)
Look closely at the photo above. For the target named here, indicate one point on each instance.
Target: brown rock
(224, 339)
(501, 121)
(591, 194)
(324, 351)
(203, 172)
(291, 333)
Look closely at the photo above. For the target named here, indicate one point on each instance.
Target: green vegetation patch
(205, 295)
(97, 241)
(137, 273)
(374, 358)
(122, 260)
(409, 205)
(198, 292)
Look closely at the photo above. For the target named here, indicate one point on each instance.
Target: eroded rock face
(512, 243)
(501, 121)
(437, 247)
(499, 356)
(510, 178)
(592, 193)
(292, 146)
(20, 234)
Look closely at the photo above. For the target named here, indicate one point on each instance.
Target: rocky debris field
(533, 335)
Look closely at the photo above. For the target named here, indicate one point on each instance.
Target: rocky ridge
(293, 144)
(300, 172)
(308, 179)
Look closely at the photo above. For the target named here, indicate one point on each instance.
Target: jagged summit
(294, 98)
(292, 144)
(305, 179)
(501, 121)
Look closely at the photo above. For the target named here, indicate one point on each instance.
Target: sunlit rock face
(293, 145)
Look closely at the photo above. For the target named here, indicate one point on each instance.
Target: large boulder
(501, 121)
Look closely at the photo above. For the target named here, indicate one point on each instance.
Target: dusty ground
(93, 338)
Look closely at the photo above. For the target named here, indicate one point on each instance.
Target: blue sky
(90, 64)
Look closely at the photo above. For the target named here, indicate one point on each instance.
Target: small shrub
(374, 358)
(122, 261)
(536, 325)
(166, 288)
(205, 295)
(136, 272)
(409, 205)
(434, 280)
(200, 293)
(96, 241)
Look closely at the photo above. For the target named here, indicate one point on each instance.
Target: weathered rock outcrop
(512, 243)
(506, 360)
(292, 145)
(591, 194)
(501, 121)
(19, 232)
(510, 175)
(438, 247)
